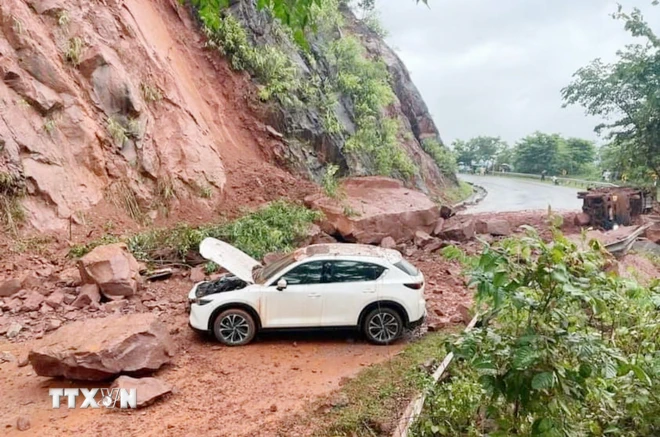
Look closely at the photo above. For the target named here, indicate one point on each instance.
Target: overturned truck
(609, 206)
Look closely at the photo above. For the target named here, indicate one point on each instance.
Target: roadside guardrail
(562, 180)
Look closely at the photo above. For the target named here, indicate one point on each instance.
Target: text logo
(107, 397)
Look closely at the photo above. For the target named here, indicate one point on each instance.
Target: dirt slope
(116, 104)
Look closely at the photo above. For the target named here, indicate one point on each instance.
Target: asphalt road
(517, 194)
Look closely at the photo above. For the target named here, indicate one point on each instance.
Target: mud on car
(320, 286)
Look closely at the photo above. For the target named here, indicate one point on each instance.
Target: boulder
(55, 300)
(323, 238)
(434, 245)
(374, 208)
(10, 287)
(197, 274)
(148, 389)
(88, 294)
(459, 231)
(33, 301)
(112, 268)
(98, 349)
(446, 212)
(14, 329)
(496, 227)
(438, 226)
(388, 243)
(581, 219)
(271, 257)
(422, 239)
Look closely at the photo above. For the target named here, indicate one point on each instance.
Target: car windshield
(262, 274)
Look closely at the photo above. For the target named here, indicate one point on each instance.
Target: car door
(350, 286)
(300, 303)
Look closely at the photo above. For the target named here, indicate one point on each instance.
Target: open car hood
(228, 257)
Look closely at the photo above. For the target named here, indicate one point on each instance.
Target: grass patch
(459, 193)
(380, 393)
(74, 51)
(12, 188)
(80, 250)
(276, 227)
(150, 93)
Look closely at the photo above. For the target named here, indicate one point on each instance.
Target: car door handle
(369, 290)
(314, 295)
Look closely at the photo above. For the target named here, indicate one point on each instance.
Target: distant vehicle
(324, 285)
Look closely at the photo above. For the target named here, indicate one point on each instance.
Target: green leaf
(543, 380)
(524, 357)
(542, 426)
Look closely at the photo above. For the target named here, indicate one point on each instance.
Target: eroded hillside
(126, 105)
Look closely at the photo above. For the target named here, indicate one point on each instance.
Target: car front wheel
(234, 327)
(382, 326)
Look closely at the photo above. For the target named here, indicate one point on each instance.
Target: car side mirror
(281, 284)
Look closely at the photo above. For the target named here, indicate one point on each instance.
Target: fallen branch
(414, 408)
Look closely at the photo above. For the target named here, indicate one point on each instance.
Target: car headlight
(199, 301)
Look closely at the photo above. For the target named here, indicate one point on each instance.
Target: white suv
(323, 285)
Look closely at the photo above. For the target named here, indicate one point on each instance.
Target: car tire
(382, 326)
(234, 327)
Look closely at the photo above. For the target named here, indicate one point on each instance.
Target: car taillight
(415, 285)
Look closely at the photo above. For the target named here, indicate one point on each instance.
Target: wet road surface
(516, 194)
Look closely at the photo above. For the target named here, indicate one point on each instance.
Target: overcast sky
(496, 67)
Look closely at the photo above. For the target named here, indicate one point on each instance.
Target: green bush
(442, 156)
(271, 66)
(276, 227)
(565, 348)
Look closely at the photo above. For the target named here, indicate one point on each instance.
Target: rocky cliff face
(312, 144)
(117, 103)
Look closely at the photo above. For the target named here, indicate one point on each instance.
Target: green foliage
(477, 149)
(564, 348)
(625, 93)
(271, 66)
(80, 250)
(372, 20)
(12, 188)
(330, 183)
(441, 155)
(538, 152)
(276, 227)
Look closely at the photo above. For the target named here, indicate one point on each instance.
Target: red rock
(581, 219)
(115, 306)
(197, 274)
(422, 239)
(97, 349)
(33, 301)
(10, 287)
(112, 268)
(438, 226)
(31, 280)
(53, 324)
(434, 245)
(375, 208)
(496, 227)
(323, 238)
(56, 299)
(148, 389)
(459, 231)
(89, 293)
(388, 243)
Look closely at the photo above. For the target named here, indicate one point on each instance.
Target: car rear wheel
(234, 327)
(382, 326)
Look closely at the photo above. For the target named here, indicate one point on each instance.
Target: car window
(351, 271)
(406, 267)
(308, 273)
(261, 275)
